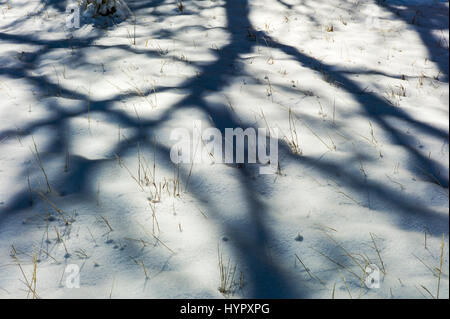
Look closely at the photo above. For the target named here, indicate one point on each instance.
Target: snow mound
(103, 11)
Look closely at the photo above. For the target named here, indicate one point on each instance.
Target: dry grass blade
(227, 274)
(145, 269)
(333, 291)
(107, 224)
(162, 243)
(36, 155)
(423, 263)
(30, 285)
(112, 287)
(121, 163)
(336, 263)
(345, 251)
(426, 289)
(378, 253)
(440, 266)
(59, 211)
(345, 284)
(309, 271)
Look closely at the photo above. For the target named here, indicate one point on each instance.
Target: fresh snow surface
(359, 87)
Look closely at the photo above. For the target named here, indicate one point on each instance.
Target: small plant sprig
(227, 274)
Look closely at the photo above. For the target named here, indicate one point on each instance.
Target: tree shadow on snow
(251, 240)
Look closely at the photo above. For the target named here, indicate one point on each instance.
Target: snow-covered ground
(357, 89)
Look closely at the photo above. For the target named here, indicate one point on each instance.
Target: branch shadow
(267, 278)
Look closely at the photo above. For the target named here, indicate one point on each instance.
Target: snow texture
(358, 90)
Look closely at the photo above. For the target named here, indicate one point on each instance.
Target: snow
(369, 183)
